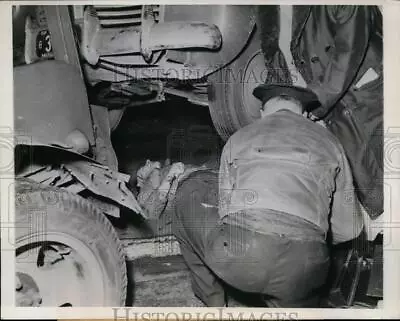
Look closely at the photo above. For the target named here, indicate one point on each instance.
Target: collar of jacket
(300, 17)
(277, 112)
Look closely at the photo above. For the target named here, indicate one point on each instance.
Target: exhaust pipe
(146, 39)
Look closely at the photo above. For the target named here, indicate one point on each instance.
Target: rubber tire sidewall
(226, 102)
(71, 214)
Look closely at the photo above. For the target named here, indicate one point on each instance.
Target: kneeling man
(262, 225)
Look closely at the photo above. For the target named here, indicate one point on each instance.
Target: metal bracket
(62, 34)
(151, 36)
(148, 22)
(105, 182)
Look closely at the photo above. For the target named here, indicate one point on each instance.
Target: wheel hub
(55, 274)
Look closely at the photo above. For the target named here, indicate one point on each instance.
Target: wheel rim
(75, 279)
(254, 75)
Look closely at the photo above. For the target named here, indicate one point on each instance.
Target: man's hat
(308, 99)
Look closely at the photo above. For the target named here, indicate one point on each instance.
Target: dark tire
(231, 102)
(49, 213)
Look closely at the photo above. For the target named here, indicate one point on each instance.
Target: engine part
(151, 36)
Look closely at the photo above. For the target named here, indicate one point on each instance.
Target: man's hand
(175, 171)
(144, 172)
(321, 122)
(312, 117)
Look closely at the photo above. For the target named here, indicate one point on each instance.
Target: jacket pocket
(293, 154)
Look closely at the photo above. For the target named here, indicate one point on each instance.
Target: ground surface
(163, 281)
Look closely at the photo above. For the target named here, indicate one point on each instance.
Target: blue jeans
(289, 272)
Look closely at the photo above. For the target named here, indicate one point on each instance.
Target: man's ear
(148, 162)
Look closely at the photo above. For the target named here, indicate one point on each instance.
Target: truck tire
(67, 252)
(230, 90)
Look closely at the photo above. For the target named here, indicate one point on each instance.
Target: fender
(72, 171)
(50, 102)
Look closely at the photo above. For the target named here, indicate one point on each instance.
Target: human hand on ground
(175, 171)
